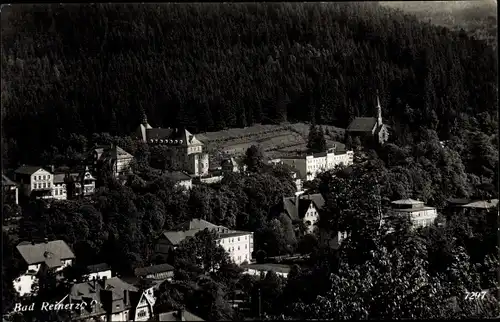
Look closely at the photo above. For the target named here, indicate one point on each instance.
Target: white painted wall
(262, 273)
(24, 283)
(239, 248)
(100, 275)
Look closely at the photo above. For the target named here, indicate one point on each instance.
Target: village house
(303, 209)
(113, 300)
(238, 244)
(119, 160)
(34, 181)
(369, 128)
(10, 191)
(180, 179)
(261, 270)
(309, 166)
(419, 214)
(155, 272)
(186, 150)
(73, 180)
(98, 271)
(49, 255)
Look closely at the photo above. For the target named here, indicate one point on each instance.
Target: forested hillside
(92, 68)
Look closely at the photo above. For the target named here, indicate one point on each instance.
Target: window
(43, 177)
(238, 247)
(141, 314)
(245, 246)
(238, 238)
(19, 288)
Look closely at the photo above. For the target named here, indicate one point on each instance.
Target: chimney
(46, 240)
(32, 242)
(125, 297)
(52, 168)
(180, 316)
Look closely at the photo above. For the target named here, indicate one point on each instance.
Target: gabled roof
(297, 213)
(195, 224)
(176, 237)
(28, 169)
(7, 182)
(51, 253)
(317, 198)
(362, 124)
(154, 269)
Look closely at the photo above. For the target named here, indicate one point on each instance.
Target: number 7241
(475, 295)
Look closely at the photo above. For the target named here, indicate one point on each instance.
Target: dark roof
(7, 182)
(362, 124)
(181, 315)
(304, 200)
(482, 204)
(194, 224)
(59, 177)
(233, 234)
(278, 268)
(161, 133)
(177, 176)
(50, 253)
(96, 268)
(143, 271)
(176, 237)
(27, 169)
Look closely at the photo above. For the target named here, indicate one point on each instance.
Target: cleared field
(275, 140)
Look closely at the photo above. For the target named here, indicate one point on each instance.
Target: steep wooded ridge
(92, 68)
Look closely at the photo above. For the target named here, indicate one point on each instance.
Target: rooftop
(278, 268)
(7, 182)
(482, 204)
(27, 169)
(96, 268)
(407, 202)
(362, 124)
(177, 176)
(144, 271)
(51, 253)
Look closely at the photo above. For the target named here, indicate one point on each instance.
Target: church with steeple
(186, 150)
(369, 127)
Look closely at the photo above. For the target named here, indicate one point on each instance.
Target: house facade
(186, 151)
(119, 160)
(180, 179)
(64, 179)
(419, 214)
(54, 255)
(369, 128)
(10, 191)
(34, 181)
(117, 301)
(304, 208)
(98, 272)
(238, 244)
(310, 166)
(261, 270)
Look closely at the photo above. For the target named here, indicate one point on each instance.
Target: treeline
(93, 68)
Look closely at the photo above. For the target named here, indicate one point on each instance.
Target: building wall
(239, 248)
(311, 218)
(143, 311)
(186, 184)
(100, 275)
(262, 273)
(419, 218)
(59, 191)
(316, 165)
(123, 165)
(121, 316)
(11, 194)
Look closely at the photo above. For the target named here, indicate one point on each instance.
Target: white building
(54, 255)
(311, 165)
(261, 270)
(60, 191)
(186, 150)
(180, 179)
(34, 180)
(10, 191)
(238, 244)
(419, 214)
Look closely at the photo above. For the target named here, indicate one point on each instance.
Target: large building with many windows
(35, 181)
(238, 244)
(419, 214)
(185, 150)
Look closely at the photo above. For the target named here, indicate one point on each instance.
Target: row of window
(59, 192)
(232, 248)
(41, 185)
(42, 177)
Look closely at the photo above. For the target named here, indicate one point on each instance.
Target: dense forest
(93, 68)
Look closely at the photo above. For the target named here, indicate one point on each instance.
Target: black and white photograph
(250, 161)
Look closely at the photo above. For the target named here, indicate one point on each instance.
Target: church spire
(379, 111)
